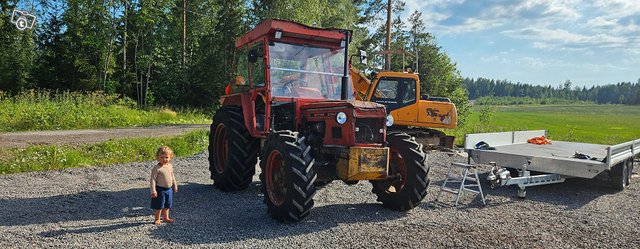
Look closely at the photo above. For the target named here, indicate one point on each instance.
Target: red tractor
(291, 105)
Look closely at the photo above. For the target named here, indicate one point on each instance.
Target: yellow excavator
(412, 113)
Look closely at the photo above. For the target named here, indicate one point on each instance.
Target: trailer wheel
(287, 176)
(233, 153)
(630, 171)
(408, 172)
(620, 174)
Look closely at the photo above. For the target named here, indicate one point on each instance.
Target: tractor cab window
(305, 71)
(256, 65)
(240, 80)
(395, 92)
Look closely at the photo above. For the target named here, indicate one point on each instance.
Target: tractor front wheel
(233, 153)
(408, 174)
(287, 176)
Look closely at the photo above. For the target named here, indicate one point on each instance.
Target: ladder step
(459, 179)
(448, 190)
(454, 178)
(471, 190)
(472, 179)
(463, 165)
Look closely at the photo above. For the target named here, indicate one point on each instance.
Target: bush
(50, 110)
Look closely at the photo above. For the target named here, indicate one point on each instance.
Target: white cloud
(555, 9)
(459, 16)
(618, 8)
(545, 38)
(472, 25)
(538, 63)
(532, 62)
(602, 22)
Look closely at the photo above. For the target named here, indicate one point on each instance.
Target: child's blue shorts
(164, 199)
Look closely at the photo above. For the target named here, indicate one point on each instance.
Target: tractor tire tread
(298, 199)
(242, 154)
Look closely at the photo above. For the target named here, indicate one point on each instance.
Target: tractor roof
(291, 29)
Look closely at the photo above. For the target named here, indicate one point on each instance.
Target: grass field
(55, 157)
(601, 124)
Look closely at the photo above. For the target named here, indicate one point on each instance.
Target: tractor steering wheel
(288, 86)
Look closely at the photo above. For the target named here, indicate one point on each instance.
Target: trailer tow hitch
(498, 176)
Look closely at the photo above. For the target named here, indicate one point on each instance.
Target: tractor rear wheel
(408, 174)
(287, 176)
(233, 153)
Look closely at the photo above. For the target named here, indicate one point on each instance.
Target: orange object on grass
(539, 140)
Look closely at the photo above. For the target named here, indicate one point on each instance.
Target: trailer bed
(511, 150)
(558, 149)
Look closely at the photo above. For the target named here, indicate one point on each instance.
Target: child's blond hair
(165, 150)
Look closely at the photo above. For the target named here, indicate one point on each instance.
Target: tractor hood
(362, 123)
(356, 104)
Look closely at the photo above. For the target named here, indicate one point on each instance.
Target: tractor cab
(284, 65)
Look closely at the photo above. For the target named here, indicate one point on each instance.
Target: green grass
(53, 157)
(45, 110)
(590, 123)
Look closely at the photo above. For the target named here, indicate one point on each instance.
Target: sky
(539, 42)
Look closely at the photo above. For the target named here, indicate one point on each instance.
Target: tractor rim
(220, 141)
(275, 178)
(399, 166)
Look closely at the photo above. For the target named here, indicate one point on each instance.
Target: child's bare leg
(165, 216)
(156, 215)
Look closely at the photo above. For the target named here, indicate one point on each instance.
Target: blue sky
(540, 42)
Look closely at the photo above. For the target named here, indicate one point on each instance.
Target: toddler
(163, 185)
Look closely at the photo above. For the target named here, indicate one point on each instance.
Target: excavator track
(431, 139)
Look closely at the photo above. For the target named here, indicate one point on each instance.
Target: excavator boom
(360, 83)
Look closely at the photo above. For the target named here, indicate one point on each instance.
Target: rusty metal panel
(364, 163)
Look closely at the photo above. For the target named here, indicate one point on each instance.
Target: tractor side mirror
(253, 56)
(363, 56)
(255, 53)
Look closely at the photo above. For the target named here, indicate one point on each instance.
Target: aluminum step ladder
(467, 178)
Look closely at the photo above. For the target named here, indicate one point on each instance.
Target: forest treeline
(134, 48)
(509, 92)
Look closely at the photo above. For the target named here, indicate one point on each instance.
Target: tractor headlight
(389, 120)
(341, 118)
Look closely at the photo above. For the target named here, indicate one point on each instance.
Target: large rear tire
(287, 176)
(408, 173)
(233, 153)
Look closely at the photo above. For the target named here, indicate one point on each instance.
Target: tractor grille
(367, 130)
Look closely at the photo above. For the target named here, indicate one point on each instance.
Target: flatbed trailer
(552, 163)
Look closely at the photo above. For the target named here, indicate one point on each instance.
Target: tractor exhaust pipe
(345, 77)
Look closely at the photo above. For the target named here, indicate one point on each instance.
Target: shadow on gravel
(574, 193)
(84, 206)
(206, 215)
(91, 229)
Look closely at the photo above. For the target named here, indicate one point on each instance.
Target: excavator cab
(400, 93)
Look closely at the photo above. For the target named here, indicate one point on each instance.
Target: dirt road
(75, 137)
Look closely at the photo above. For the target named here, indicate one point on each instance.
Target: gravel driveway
(108, 207)
(74, 137)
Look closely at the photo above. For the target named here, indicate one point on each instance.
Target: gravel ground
(108, 207)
